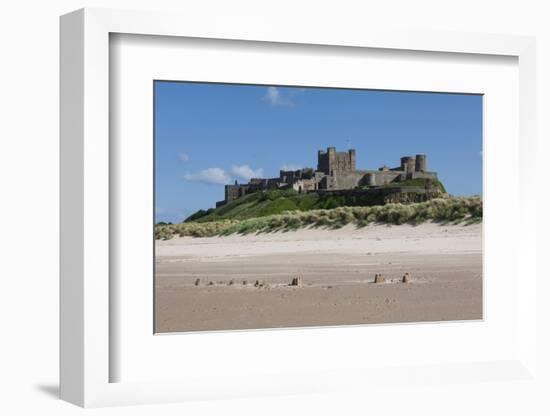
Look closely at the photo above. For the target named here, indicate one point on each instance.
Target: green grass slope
(261, 204)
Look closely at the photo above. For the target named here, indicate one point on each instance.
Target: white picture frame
(87, 329)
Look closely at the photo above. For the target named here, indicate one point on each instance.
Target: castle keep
(336, 172)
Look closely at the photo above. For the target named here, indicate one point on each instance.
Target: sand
(336, 269)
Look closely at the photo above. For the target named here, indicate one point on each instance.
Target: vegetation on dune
(456, 209)
(192, 229)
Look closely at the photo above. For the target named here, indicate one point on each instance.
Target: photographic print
(280, 206)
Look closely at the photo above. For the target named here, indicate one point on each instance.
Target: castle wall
(233, 192)
(289, 176)
(349, 180)
(336, 171)
(377, 196)
(383, 177)
(327, 182)
(305, 185)
(423, 175)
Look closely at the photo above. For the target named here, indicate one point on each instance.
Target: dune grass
(457, 209)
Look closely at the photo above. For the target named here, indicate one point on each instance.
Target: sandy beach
(210, 283)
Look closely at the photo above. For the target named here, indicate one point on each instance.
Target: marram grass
(455, 209)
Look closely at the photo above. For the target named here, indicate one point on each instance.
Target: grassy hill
(261, 204)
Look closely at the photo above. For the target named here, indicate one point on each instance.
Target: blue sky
(207, 135)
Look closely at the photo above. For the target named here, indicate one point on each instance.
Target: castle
(336, 171)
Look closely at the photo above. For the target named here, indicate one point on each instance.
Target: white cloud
(183, 157)
(274, 96)
(246, 172)
(215, 176)
(218, 176)
(291, 167)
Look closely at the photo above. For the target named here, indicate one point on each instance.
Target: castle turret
(407, 164)
(421, 164)
(331, 157)
(371, 179)
(351, 153)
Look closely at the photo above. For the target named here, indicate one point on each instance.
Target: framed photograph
(257, 228)
(276, 212)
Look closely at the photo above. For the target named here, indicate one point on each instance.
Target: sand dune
(337, 269)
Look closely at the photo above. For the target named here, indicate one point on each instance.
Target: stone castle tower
(411, 164)
(332, 162)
